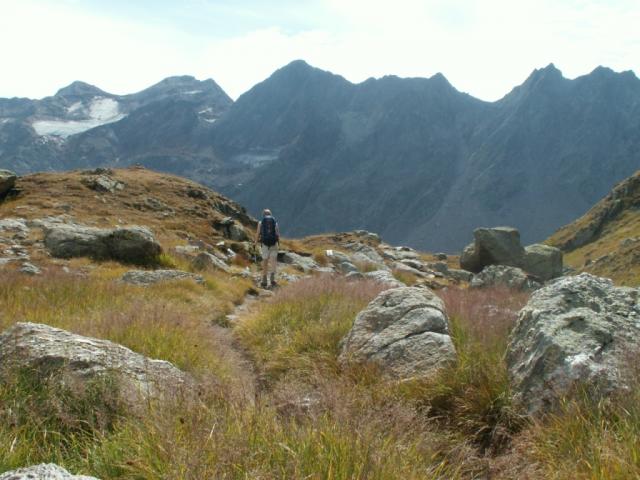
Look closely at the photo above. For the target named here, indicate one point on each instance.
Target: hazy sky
(484, 47)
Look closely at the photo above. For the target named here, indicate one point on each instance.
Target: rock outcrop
(103, 183)
(302, 263)
(501, 246)
(46, 349)
(208, 261)
(500, 275)
(384, 277)
(150, 277)
(543, 261)
(43, 471)
(133, 244)
(493, 246)
(404, 330)
(576, 331)
(7, 182)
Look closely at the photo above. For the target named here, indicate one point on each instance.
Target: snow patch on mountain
(101, 112)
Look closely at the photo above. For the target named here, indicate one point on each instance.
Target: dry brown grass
(49, 194)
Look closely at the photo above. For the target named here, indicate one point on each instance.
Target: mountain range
(413, 159)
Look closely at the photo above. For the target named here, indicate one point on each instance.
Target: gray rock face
(576, 330)
(7, 181)
(543, 261)
(150, 277)
(405, 330)
(42, 472)
(130, 244)
(501, 275)
(38, 347)
(207, 261)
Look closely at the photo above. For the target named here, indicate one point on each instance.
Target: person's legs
(265, 263)
(274, 263)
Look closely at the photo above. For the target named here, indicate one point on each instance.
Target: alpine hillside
(606, 240)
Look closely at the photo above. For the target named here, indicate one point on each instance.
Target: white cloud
(485, 47)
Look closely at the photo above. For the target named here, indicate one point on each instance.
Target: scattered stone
(501, 275)
(384, 277)
(30, 269)
(43, 348)
(576, 331)
(417, 264)
(459, 275)
(367, 236)
(14, 225)
(150, 277)
(441, 256)
(304, 264)
(231, 230)
(354, 276)
(543, 261)
(42, 472)
(103, 183)
(186, 250)
(7, 182)
(207, 261)
(98, 171)
(128, 244)
(197, 194)
(404, 330)
(402, 267)
(346, 268)
(441, 267)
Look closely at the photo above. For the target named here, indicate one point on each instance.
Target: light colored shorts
(269, 253)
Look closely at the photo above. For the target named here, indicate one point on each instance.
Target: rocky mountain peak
(79, 89)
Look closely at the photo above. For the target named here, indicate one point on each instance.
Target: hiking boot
(263, 284)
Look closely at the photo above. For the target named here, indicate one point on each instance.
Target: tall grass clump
(591, 437)
(472, 396)
(303, 324)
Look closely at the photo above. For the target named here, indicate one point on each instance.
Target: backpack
(268, 234)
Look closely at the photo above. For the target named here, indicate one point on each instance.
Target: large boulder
(7, 182)
(470, 259)
(404, 330)
(576, 331)
(150, 277)
(500, 245)
(81, 359)
(543, 261)
(44, 471)
(133, 244)
(503, 276)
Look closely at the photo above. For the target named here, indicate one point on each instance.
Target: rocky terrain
(136, 342)
(412, 159)
(606, 240)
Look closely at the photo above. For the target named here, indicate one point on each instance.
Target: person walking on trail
(268, 235)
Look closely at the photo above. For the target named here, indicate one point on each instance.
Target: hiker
(268, 235)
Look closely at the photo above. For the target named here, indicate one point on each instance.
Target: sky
(483, 47)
